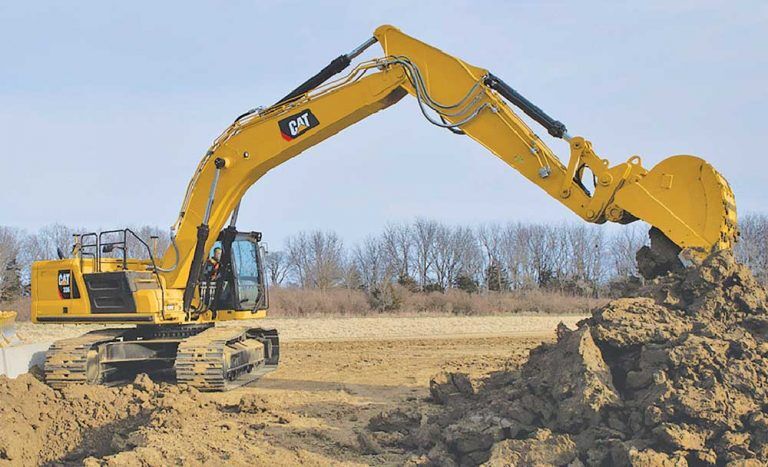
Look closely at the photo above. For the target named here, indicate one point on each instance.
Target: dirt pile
(39, 425)
(673, 376)
(143, 423)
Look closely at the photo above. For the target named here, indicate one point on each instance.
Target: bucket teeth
(687, 200)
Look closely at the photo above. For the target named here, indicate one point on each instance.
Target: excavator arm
(683, 197)
(262, 140)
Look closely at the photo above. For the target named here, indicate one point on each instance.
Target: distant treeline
(421, 256)
(426, 255)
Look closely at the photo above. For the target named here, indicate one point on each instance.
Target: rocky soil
(675, 376)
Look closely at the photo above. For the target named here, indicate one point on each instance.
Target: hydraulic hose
(176, 254)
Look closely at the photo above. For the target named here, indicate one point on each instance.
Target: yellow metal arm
(684, 196)
(257, 143)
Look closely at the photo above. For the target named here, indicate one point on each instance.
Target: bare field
(356, 328)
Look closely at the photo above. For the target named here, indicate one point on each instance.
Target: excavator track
(224, 358)
(76, 360)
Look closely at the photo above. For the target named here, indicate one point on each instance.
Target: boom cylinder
(202, 237)
(196, 267)
(336, 66)
(554, 127)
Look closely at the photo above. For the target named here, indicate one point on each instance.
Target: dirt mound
(674, 376)
(38, 424)
(143, 423)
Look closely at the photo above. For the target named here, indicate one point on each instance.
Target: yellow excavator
(177, 303)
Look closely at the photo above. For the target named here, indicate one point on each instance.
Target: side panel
(61, 294)
(58, 289)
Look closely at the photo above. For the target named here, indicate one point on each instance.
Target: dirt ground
(335, 374)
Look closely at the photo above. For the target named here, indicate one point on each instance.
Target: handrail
(123, 245)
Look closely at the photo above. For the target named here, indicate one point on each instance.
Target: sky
(107, 107)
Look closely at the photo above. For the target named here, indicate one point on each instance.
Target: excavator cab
(233, 276)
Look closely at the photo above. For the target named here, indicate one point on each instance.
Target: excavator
(177, 314)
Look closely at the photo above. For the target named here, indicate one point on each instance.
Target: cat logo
(64, 277)
(297, 124)
(67, 286)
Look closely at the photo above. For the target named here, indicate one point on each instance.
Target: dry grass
(343, 302)
(312, 302)
(290, 302)
(457, 302)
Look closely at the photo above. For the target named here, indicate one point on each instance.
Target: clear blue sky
(107, 107)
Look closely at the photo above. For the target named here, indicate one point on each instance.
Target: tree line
(426, 255)
(422, 256)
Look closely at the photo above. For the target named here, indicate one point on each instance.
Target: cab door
(248, 271)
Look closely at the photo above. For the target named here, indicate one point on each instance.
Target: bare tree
(11, 243)
(470, 256)
(398, 243)
(46, 242)
(327, 252)
(514, 255)
(297, 247)
(624, 245)
(585, 249)
(443, 255)
(351, 277)
(455, 251)
(371, 261)
(316, 258)
(546, 253)
(136, 250)
(11, 270)
(424, 232)
(490, 238)
(276, 264)
(752, 248)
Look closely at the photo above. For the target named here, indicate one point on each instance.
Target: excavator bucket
(8, 329)
(687, 200)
